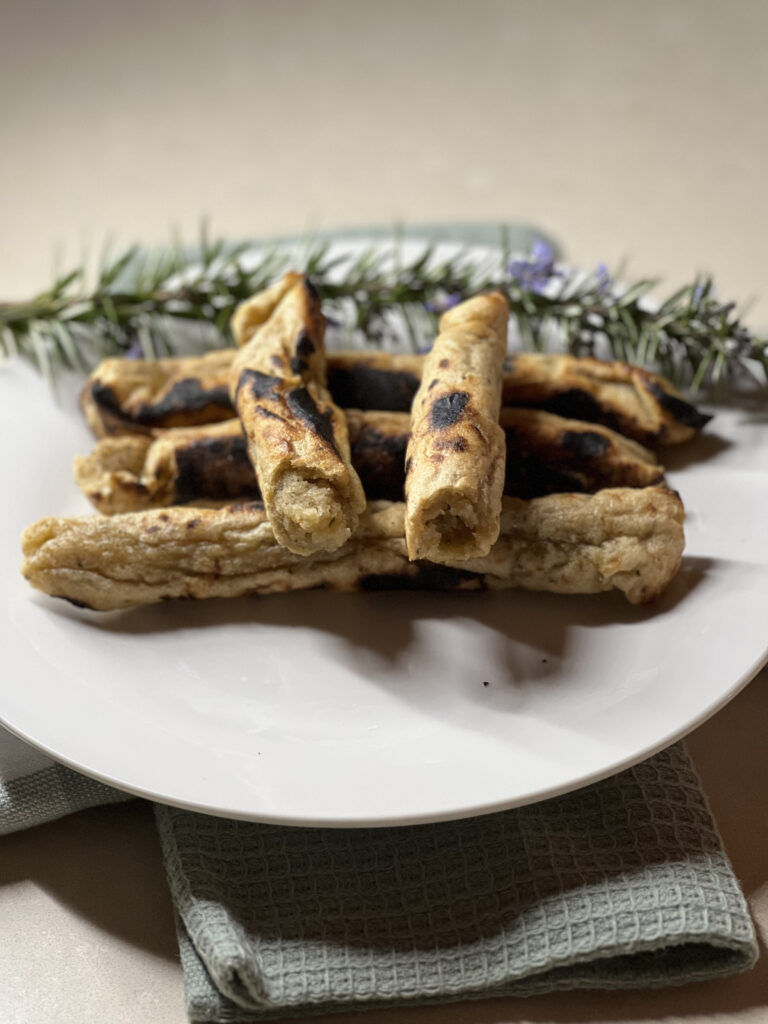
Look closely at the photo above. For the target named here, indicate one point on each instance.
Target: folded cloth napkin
(623, 884)
(34, 788)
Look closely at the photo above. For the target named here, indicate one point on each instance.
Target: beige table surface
(626, 129)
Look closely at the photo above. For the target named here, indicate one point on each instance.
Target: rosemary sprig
(138, 301)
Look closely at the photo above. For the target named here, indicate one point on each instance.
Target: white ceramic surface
(334, 709)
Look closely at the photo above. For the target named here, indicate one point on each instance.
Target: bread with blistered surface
(137, 396)
(296, 436)
(546, 454)
(141, 395)
(454, 468)
(630, 540)
(633, 401)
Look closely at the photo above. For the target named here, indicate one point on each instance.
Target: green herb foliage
(139, 300)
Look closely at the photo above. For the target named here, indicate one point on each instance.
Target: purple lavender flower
(442, 303)
(134, 352)
(602, 279)
(534, 273)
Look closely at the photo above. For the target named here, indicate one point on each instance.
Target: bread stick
(296, 436)
(545, 454)
(138, 396)
(624, 539)
(454, 469)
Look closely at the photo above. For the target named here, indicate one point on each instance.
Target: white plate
(323, 709)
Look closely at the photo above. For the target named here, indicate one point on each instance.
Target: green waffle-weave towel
(623, 884)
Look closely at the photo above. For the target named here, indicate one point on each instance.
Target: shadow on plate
(499, 648)
(700, 449)
(339, 612)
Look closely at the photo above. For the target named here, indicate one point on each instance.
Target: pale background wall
(624, 128)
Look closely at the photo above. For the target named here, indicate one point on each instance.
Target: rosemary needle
(137, 303)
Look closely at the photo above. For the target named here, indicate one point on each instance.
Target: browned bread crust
(296, 436)
(630, 540)
(454, 469)
(138, 396)
(546, 454)
(629, 399)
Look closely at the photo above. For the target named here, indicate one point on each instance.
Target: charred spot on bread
(588, 444)
(530, 476)
(448, 409)
(185, 396)
(685, 413)
(105, 398)
(425, 576)
(261, 385)
(304, 408)
(378, 458)
(365, 387)
(215, 467)
(304, 349)
(574, 404)
(577, 404)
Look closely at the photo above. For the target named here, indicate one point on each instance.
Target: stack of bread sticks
(275, 466)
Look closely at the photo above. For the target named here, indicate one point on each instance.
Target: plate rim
(404, 821)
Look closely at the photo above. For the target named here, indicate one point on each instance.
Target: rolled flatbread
(138, 396)
(624, 539)
(296, 436)
(454, 469)
(546, 454)
(255, 311)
